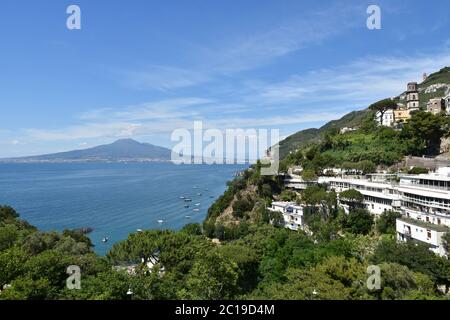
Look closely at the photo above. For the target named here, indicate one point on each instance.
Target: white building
(447, 100)
(379, 196)
(292, 214)
(431, 234)
(426, 208)
(346, 129)
(388, 118)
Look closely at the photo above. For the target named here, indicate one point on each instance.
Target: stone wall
(429, 163)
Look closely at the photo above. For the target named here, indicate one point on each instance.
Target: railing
(424, 186)
(426, 202)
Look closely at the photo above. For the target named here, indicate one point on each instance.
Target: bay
(112, 198)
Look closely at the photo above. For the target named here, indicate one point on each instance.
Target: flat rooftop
(424, 224)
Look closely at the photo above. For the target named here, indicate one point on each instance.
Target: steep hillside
(442, 76)
(433, 87)
(305, 137)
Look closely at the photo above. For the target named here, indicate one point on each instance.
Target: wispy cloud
(358, 83)
(161, 78)
(156, 110)
(248, 51)
(302, 99)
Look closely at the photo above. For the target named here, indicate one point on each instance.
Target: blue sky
(140, 69)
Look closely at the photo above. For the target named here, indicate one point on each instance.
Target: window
(428, 234)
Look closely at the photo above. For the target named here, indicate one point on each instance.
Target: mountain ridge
(119, 150)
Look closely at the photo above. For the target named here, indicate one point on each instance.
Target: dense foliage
(262, 262)
(370, 145)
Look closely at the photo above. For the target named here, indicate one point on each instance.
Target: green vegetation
(442, 76)
(418, 170)
(423, 132)
(370, 146)
(240, 252)
(381, 107)
(261, 261)
(359, 221)
(308, 137)
(386, 222)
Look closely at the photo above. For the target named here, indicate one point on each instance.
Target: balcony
(426, 211)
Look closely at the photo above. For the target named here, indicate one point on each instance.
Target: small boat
(197, 204)
(188, 199)
(139, 230)
(105, 239)
(186, 206)
(160, 221)
(187, 217)
(196, 210)
(199, 194)
(211, 196)
(182, 197)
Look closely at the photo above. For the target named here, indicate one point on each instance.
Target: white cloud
(317, 96)
(358, 83)
(161, 78)
(248, 51)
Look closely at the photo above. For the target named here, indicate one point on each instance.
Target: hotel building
(426, 208)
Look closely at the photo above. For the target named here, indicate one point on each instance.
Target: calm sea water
(112, 198)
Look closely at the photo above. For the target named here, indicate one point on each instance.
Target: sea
(114, 199)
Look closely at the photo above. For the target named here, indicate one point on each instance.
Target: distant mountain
(120, 150)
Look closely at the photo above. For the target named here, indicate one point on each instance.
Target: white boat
(139, 230)
(187, 217)
(197, 204)
(105, 239)
(160, 221)
(187, 199)
(182, 197)
(199, 194)
(196, 210)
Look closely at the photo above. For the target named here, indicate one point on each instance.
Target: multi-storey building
(436, 106)
(447, 100)
(412, 96)
(379, 195)
(426, 208)
(402, 115)
(292, 214)
(423, 200)
(387, 119)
